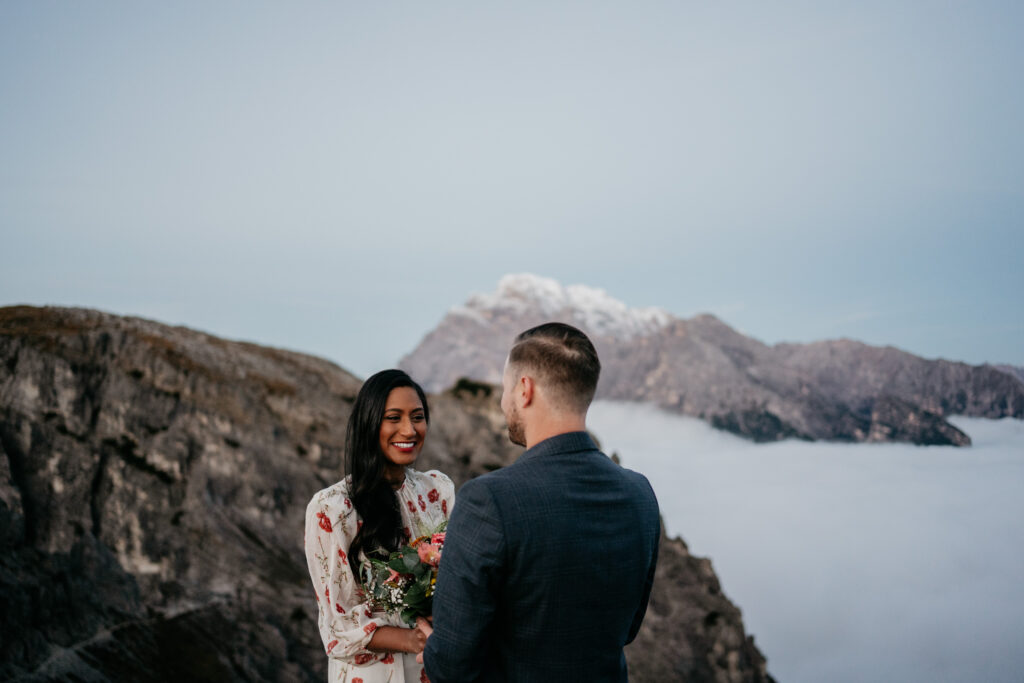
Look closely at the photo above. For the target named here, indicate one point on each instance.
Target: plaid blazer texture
(547, 569)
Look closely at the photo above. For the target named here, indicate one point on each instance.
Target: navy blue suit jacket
(546, 571)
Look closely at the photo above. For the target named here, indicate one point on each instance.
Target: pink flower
(429, 554)
(393, 576)
(437, 539)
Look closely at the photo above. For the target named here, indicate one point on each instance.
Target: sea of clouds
(850, 562)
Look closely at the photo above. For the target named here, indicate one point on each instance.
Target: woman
(376, 509)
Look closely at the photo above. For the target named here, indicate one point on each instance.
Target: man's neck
(553, 427)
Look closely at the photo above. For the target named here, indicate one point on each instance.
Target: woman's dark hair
(370, 492)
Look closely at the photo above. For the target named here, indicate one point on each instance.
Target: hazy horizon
(370, 371)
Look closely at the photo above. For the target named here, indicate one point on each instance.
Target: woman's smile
(402, 430)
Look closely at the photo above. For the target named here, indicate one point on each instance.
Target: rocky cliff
(834, 390)
(1012, 370)
(152, 486)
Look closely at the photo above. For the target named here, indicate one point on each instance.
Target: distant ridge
(837, 390)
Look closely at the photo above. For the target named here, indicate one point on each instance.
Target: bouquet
(404, 584)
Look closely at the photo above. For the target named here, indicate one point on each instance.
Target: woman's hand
(397, 639)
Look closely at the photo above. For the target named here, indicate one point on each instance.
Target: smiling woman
(380, 506)
(402, 431)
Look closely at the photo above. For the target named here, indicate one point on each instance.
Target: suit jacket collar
(570, 442)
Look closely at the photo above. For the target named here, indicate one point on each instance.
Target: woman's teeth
(403, 444)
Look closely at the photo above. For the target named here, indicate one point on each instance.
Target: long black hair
(370, 492)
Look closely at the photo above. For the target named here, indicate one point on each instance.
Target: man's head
(553, 367)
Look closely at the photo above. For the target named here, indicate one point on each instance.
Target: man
(548, 563)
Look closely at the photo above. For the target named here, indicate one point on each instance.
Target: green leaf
(417, 594)
(411, 562)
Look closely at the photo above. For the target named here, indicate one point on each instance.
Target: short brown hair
(564, 361)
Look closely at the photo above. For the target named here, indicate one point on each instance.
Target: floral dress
(347, 620)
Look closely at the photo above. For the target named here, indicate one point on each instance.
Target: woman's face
(403, 428)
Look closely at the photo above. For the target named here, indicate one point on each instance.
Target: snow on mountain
(592, 308)
(835, 390)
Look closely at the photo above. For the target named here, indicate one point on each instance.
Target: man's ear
(526, 389)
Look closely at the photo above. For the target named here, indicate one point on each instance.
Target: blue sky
(332, 178)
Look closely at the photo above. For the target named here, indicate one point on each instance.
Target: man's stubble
(516, 433)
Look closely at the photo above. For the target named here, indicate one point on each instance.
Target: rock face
(153, 482)
(1013, 370)
(834, 390)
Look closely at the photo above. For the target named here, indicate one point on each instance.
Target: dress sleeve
(439, 499)
(446, 492)
(345, 620)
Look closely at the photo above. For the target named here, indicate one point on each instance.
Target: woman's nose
(408, 427)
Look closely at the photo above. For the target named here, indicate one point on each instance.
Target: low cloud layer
(850, 562)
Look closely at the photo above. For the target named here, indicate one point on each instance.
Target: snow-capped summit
(838, 390)
(593, 309)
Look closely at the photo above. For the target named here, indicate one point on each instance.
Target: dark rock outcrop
(688, 596)
(153, 481)
(834, 390)
(157, 476)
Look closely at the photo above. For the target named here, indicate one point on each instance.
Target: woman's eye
(391, 418)
(418, 418)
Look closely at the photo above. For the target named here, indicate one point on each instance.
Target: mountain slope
(836, 390)
(153, 482)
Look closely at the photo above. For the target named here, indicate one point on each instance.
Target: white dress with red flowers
(346, 619)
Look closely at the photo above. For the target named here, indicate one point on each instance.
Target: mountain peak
(590, 307)
(836, 390)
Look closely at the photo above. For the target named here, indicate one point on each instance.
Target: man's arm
(638, 617)
(470, 575)
(654, 528)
